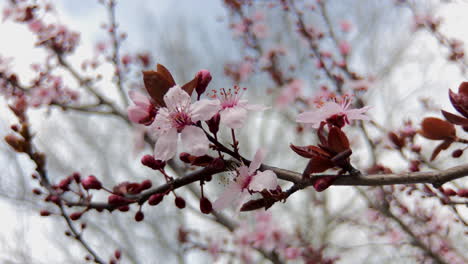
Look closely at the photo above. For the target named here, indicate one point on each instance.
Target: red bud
(139, 216)
(152, 163)
(145, 185)
(205, 205)
(180, 202)
(155, 199)
(76, 215)
(91, 183)
(203, 79)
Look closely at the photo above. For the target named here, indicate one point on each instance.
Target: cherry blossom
(180, 116)
(248, 180)
(143, 112)
(233, 109)
(333, 113)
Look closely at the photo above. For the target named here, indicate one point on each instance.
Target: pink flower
(333, 113)
(248, 180)
(143, 112)
(180, 116)
(345, 48)
(234, 110)
(289, 93)
(345, 26)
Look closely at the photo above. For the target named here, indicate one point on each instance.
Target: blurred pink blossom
(248, 179)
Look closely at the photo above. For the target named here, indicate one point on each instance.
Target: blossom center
(180, 119)
(338, 120)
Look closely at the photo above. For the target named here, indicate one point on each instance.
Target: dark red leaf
(190, 86)
(463, 88)
(166, 74)
(337, 140)
(309, 151)
(437, 129)
(442, 146)
(458, 102)
(455, 119)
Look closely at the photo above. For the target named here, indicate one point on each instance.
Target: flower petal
(264, 180)
(139, 99)
(252, 107)
(358, 114)
(176, 98)
(136, 113)
(195, 140)
(204, 109)
(229, 195)
(166, 146)
(257, 160)
(233, 117)
(162, 122)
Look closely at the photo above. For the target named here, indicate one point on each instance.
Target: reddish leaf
(437, 129)
(337, 140)
(156, 86)
(442, 146)
(458, 102)
(463, 88)
(190, 86)
(166, 74)
(396, 140)
(455, 119)
(319, 164)
(253, 205)
(309, 151)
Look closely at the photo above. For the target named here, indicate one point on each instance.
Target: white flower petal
(139, 99)
(233, 117)
(257, 160)
(204, 109)
(166, 146)
(194, 140)
(176, 98)
(229, 195)
(264, 180)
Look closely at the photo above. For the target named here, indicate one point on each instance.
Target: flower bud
(185, 157)
(205, 205)
(37, 191)
(151, 162)
(457, 153)
(449, 192)
(155, 199)
(124, 208)
(463, 193)
(145, 185)
(139, 216)
(322, 183)
(117, 254)
(203, 79)
(76, 215)
(63, 185)
(117, 200)
(180, 202)
(91, 183)
(44, 213)
(213, 123)
(77, 177)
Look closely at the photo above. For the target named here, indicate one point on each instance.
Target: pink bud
(463, 193)
(185, 157)
(91, 183)
(44, 213)
(323, 183)
(151, 162)
(63, 185)
(117, 200)
(205, 205)
(204, 78)
(449, 192)
(180, 202)
(145, 185)
(213, 123)
(76, 215)
(155, 199)
(117, 254)
(139, 216)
